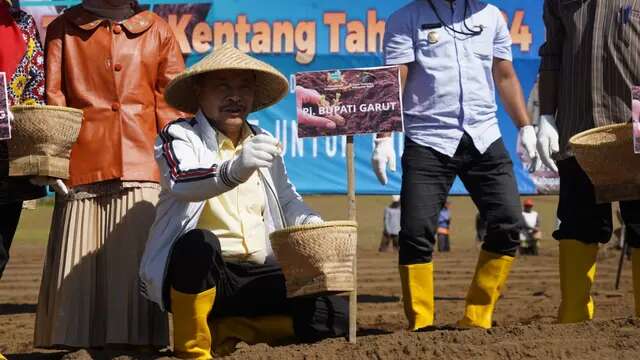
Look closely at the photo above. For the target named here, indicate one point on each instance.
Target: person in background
(589, 64)
(391, 226)
(22, 61)
(112, 59)
(531, 234)
(620, 233)
(444, 224)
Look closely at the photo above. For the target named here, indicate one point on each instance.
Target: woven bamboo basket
(606, 155)
(317, 259)
(42, 140)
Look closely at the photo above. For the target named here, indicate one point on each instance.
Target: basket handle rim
(339, 223)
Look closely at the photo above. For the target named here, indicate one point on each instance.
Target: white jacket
(191, 173)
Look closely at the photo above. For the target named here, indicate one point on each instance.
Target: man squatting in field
(450, 54)
(590, 61)
(224, 189)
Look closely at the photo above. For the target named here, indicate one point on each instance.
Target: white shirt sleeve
(398, 39)
(502, 41)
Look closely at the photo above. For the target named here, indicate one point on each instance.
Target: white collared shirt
(449, 88)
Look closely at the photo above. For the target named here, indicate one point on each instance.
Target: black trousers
(581, 218)
(426, 181)
(9, 217)
(246, 289)
(387, 242)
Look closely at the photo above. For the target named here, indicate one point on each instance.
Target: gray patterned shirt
(590, 61)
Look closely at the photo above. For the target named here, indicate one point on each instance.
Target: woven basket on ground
(606, 155)
(41, 141)
(317, 259)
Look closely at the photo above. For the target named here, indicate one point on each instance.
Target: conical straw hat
(271, 85)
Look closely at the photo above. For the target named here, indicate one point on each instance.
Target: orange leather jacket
(116, 73)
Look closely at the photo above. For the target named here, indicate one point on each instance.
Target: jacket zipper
(283, 219)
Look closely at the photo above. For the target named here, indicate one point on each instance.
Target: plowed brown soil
(524, 317)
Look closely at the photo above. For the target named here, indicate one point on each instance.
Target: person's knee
(506, 219)
(193, 260)
(592, 231)
(503, 235)
(414, 249)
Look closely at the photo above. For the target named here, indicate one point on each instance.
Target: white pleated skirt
(89, 294)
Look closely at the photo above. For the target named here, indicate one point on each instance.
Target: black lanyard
(470, 32)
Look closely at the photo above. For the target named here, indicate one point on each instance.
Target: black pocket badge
(430, 26)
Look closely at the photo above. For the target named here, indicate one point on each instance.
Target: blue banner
(306, 35)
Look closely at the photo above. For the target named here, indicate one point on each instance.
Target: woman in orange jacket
(111, 59)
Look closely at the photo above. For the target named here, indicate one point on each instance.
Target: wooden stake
(623, 253)
(351, 196)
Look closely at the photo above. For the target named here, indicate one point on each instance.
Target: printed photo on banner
(348, 102)
(635, 107)
(5, 125)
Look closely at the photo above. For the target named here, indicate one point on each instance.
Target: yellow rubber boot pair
(270, 329)
(191, 335)
(635, 263)
(577, 273)
(491, 274)
(417, 294)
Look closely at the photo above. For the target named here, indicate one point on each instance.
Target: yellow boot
(270, 329)
(577, 272)
(492, 271)
(417, 294)
(635, 263)
(191, 335)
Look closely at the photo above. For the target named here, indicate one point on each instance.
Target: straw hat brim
(271, 85)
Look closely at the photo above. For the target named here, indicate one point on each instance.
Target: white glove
(313, 219)
(528, 140)
(383, 156)
(259, 152)
(58, 186)
(548, 141)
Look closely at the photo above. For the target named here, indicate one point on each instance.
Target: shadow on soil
(16, 309)
(377, 299)
(37, 356)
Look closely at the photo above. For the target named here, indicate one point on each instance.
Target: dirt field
(524, 316)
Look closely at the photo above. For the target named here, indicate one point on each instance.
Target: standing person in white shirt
(531, 233)
(452, 57)
(391, 225)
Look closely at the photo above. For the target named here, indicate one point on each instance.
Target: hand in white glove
(383, 156)
(58, 186)
(259, 152)
(313, 219)
(528, 140)
(548, 141)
